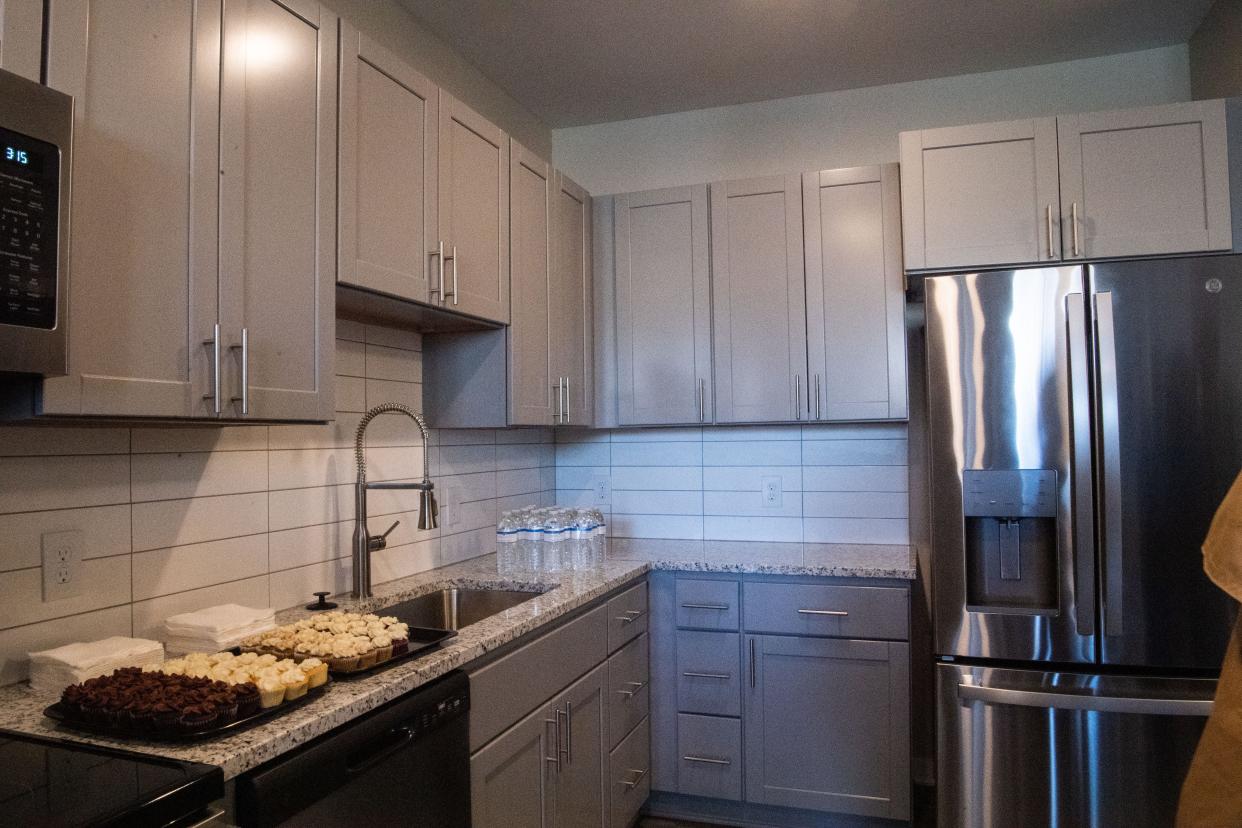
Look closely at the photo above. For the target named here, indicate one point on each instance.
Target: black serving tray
(57, 714)
(422, 640)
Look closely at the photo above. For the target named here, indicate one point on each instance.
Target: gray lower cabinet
(663, 307)
(513, 779)
(629, 779)
(855, 294)
(386, 171)
(21, 37)
(225, 172)
(759, 308)
(827, 725)
(583, 762)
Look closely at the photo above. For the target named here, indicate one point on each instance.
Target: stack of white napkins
(54, 670)
(215, 628)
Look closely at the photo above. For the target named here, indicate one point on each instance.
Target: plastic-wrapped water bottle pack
(550, 538)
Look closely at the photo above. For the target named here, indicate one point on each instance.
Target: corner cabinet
(225, 173)
(663, 307)
(1154, 181)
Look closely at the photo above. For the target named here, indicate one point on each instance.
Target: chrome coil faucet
(428, 512)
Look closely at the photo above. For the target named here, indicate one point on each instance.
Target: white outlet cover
(601, 486)
(772, 492)
(62, 565)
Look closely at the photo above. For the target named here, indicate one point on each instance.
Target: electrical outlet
(450, 510)
(601, 486)
(62, 565)
(773, 495)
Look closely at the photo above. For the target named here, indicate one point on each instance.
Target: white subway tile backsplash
(384, 363)
(665, 478)
(856, 504)
(751, 504)
(105, 532)
(164, 523)
(29, 484)
(511, 482)
(657, 503)
(578, 477)
(29, 441)
(198, 474)
(657, 454)
(394, 338)
(750, 478)
(679, 527)
(149, 615)
(409, 394)
(734, 528)
(752, 453)
(292, 587)
(855, 479)
(351, 395)
(313, 505)
(856, 530)
(305, 545)
(164, 571)
(582, 454)
(351, 358)
(16, 642)
(854, 453)
(165, 440)
(105, 583)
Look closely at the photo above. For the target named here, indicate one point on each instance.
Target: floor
(653, 822)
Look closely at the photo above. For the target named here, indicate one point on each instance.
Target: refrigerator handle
(1078, 701)
(1081, 495)
(1110, 450)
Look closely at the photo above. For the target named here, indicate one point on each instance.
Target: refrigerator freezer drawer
(1028, 748)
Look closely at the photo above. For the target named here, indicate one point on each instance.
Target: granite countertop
(21, 709)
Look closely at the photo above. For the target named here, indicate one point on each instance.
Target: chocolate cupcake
(247, 696)
(196, 717)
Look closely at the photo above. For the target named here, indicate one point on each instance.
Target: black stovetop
(53, 782)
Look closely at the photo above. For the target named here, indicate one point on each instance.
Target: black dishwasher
(406, 763)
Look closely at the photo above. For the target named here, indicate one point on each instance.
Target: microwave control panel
(29, 211)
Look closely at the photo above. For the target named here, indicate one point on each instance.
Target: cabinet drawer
(822, 609)
(709, 756)
(629, 691)
(707, 605)
(627, 616)
(510, 687)
(629, 776)
(709, 673)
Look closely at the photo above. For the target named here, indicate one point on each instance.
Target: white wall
(854, 127)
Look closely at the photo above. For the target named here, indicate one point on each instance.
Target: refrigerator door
(1008, 386)
(1026, 748)
(1168, 338)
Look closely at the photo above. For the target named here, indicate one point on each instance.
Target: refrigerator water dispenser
(1011, 539)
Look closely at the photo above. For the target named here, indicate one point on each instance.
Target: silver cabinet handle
(720, 676)
(720, 607)
(1080, 464)
(214, 342)
(752, 662)
(635, 688)
(1048, 220)
(837, 613)
(702, 400)
(818, 412)
(631, 784)
(453, 259)
(1110, 440)
(567, 750)
(555, 758)
(797, 396)
(1074, 227)
(565, 415)
(707, 760)
(1075, 701)
(438, 289)
(556, 414)
(244, 399)
(630, 616)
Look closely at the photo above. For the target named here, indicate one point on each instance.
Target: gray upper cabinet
(663, 307)
(843, 746)
(278, 208)
(143, 244)
(572, 304)
(531, 387)
(855, 294)
(980, 195)
(513, 779)
(387, 171)
(758, 300)
(21, 37)
(1147, 181)
(473, 213)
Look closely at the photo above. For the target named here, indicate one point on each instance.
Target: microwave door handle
(1110, 456)
(1082, 498)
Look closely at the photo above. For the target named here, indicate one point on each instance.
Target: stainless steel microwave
(36, 137)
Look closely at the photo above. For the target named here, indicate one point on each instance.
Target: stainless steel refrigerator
(1084, 423)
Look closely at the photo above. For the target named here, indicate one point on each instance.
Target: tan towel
(1212, 795)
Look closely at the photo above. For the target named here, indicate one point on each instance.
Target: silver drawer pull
(633, 783)
(835, 613)
(708, 760)
(635, 685)
(721, 676)
(630, 616)
(720, 607)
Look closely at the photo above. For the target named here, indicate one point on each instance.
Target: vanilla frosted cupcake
(383, 647)
(369, 655)
(344, 657)
(295, 683)
(271, 691)
(265, 660)
(247, 658)
(316, 672)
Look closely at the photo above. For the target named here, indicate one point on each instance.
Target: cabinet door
(387, 171)
(1142, 182)
(144, 209)
(573, 338)
(473, 211)
(663, 306)
(513, 780)
(277, 208)
(827, 725)
(855, 293)
(758, 300)
(532, 387)
(21, 37)
(581, 781)
(980, 195)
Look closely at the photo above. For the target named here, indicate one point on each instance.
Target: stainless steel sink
(452, 609)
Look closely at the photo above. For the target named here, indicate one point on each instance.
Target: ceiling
(575, 62)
